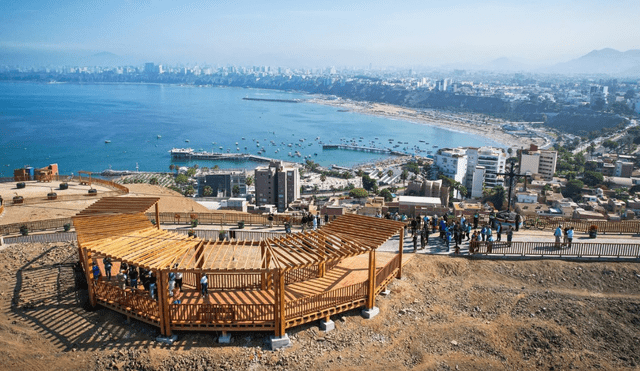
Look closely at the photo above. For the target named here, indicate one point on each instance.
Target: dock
(385, 151)
(190, 154)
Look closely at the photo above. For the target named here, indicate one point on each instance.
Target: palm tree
(249, 180)
(172, 167)
(389, 173)
(404, 176)
(333, 189)
(207, 191)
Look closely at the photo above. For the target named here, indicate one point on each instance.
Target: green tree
(404, 176)
(386, 194)
(358, 193)
(323, 178)
(497, 197)
(333, 189)
(573, 189)
(216, 167)
(368, 183)
(189, 191)
(191, 172)
(389, 173)
(610, 144)
(592, 178)
(249, 180)
(235, 190)
(153, 181)
(182, 179)
(207, 191)
(172, 167)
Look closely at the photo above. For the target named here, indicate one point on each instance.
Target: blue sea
(68, 124)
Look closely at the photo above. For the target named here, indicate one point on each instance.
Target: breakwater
(273, 100)
(190, 154)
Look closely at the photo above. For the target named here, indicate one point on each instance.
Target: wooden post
(401, 247)
(157, 216)
(280, 305)
(265, 265)
(160, 296)
(371, 295)
(322, 265)
(90, 281)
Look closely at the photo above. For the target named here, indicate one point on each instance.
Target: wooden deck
(348, 272)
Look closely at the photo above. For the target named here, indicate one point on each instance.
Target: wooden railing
(326, 300)
(301, 274)
(38, 225)
(234, 281)
(236, 234)
(221, 314)
(550, 248)
(223, 218)
(136, 301)
(385, 272)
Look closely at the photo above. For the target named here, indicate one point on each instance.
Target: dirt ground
(445, 314)
(170, 201)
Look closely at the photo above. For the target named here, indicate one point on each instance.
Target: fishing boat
(187, 140)
(159, 136)
(107, 141)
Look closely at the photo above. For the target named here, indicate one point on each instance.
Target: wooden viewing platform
(270, 285)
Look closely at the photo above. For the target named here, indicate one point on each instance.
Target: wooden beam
(157, 215)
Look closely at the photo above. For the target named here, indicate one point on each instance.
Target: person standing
(107, 267)
(447, 240)
(152, 285)
(172, 282)
(475, 220)
(483, 233)
(204, 285)
(498, 231)
(517, 222)
(415, 242)
(468, 231)
(557, 234)
(423, 237)
(314, 222)
(473, 245)
(326, 218)
(178, 279)
(96, 271)
(509, 235)
(133, 277)
(570, 237)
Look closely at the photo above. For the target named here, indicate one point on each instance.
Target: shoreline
(491, 128)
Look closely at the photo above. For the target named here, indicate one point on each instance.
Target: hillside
(445, 314)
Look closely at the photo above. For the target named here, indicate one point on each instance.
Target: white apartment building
(472, 166)
(452, 162)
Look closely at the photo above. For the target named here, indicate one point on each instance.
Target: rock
(454, 343)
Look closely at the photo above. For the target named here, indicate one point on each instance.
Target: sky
(321, 33)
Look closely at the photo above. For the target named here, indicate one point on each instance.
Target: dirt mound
(170, 201)
(445, 314)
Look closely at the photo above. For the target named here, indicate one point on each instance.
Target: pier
(385, 151)
(190, 154)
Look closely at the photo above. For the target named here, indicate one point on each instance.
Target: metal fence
(609, 250)
(42, 238)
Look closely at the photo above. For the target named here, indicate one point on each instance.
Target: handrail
(562, 249)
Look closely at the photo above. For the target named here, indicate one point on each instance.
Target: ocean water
(68, 124)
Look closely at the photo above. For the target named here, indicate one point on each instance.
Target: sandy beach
(472, 123)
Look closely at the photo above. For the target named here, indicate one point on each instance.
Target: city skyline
(307, 34)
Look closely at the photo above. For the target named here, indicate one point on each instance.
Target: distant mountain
(605, 61)
(36, 58)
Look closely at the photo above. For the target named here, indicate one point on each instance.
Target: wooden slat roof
(120, 205)
(132, 238)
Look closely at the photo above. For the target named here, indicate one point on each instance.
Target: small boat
(159, 136)
(221, 147)
(186, 140)
(107, 141)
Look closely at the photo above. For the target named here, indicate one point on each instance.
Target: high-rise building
(537, 161)
(472, 166)
(277, 185)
